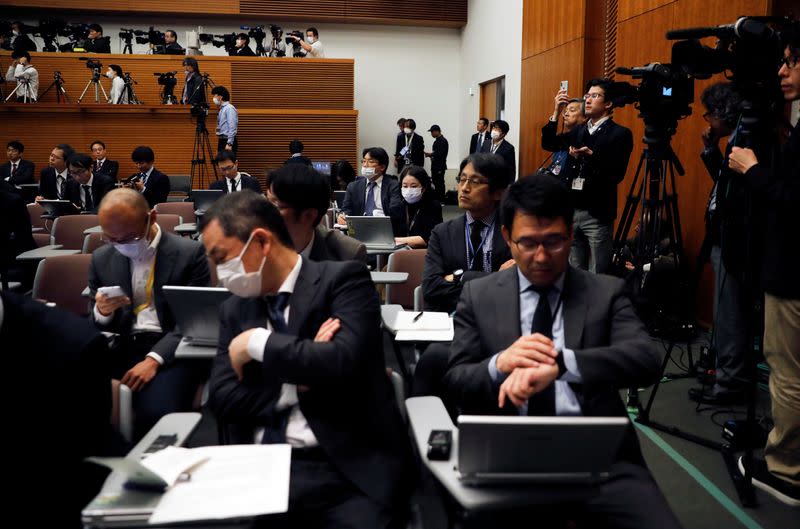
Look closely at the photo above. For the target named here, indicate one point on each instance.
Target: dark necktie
(275, 307)
(13, 169)
(88, 203)
(60, 186)
(97, 166)
(233, 186)
(544, 402)
(275, 429)
(475, 238)
(480, 142)
(369, 205)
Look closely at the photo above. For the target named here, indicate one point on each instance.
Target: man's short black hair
(723, 101)
(410, 123)
(97, 142)
(245, 37)
(15, 144)
(541, 195)
(96, 27)
(16, 54)
(82, 160)
(296, 146)
(67, 149)
(314, 31)
(143, 153)
(222, 92)
(502, 125)
(117, 69)
(301, 187)
(377, 153)
(492, 166)
(240, 213)
(172, 32)
(611, 90)
(226, 155)
(401, 120)
(485, 121)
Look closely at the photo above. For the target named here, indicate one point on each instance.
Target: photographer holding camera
(171, 46)
(97, 43)
(778, 188)
(242, 48)
(25, 75)
(312, 46)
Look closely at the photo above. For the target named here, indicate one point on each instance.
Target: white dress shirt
(376, 193)
(316, 51)
(29, 73)
(592, 126)
(118, 95)
(298, 432)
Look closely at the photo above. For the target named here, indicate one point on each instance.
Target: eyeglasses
(227, 168)
(552, 244)
(129, 240)
(594, 95)
(462, 180)
(790, 61)
(369, 161)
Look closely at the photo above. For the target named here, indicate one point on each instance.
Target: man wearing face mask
(242, 48)
(312, 46)
(20, 41)
(227, 120)
(501, 147)
(118, 95)
(140, 258)
(300, 362)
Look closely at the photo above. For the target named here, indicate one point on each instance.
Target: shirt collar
(157, 239)
(592, 125)
(378, 181)
(101, 161)
(89, 183)
(524, 283)
(290, 281)
(62, 173)
(295, 155)
(147, 174)
(307, 250)
(487, 220)
(237, 179)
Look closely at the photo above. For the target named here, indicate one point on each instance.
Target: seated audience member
(141, 258)
(86, 189)
(53, 179)
(17, 171)
(423, 210)
(233, 180)
(26, 77)
(20, 41)
(296, 150)
(97, 43)
(171, 46)
(375, 195)
(501, 147)
(242, 47)
(342, 173)
(571, 112)
(302, 195)
(149, 181)
(118, 94)
(64, 419)
(471, 245)
(15, 235)
(103, 165)
(544, 339)
(300, 361)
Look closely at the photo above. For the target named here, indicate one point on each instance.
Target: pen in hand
(417, 317)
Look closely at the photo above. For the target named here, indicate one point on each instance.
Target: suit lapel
(498, 243)
(506, 303)
(459, 241)
(166, 255)
(574, 309)
(361, 191)
(305, 290)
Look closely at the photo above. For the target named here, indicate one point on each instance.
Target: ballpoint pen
(417, 317)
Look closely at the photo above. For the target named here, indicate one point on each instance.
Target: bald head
(124, 213)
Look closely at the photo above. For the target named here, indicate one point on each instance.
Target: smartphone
(564, 86)
(112, 292)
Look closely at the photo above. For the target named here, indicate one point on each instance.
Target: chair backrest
(68, 230)
(35, 212)
(91, 242)
(61, 280)
(41, 239)
(168, 221)
(411, 261)
(184, 209)
(399, 392)
(419, 300)
(180, 185)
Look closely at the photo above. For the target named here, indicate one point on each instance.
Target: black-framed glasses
(790, 61)
(552, 244)
(473, 181)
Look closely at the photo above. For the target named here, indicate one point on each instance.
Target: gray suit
(332, 245)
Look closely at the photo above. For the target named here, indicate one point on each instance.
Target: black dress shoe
(716, 397)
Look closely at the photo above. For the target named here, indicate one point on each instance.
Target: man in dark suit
(438, 158)
(97, 43)
(481, 137)
(171, 46)
(233, 180)
(375, 192)
(141, 258)
(501, 147)
(194, 93)
(15, 236)
(302, 196)
(20, 41)
(17, 171)
(300, 361)
(149, 181)
(544, 339)
(53, 179)
(296, 150)
(102, 165)
(86, 189)
(409, 148)
(599, 151)
(242, 47)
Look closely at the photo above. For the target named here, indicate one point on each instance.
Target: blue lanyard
(473, 252)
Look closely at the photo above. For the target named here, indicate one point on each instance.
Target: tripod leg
(84, 91)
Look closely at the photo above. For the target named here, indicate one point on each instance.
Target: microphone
(744, 27)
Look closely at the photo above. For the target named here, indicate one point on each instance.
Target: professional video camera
(151, 36)
(298, 50)
(275, 45)
(48, 30)
(168, 81)
(76, 33)
(92, 64)
(199, 110)
(257, 34)
(229, 40)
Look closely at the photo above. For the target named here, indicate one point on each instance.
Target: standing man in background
(572, 116)
(502, 148)
(97, 43)
(312, 46)
(25, 75)
(438, 160)
(480, 137)
(227, 120)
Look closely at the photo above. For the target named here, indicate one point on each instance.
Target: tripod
(128, 48)
(58, 83)
(128, 94)
(202, 151)
(95, 80)
(23, 86)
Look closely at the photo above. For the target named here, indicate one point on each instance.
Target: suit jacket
(391, 200)
(157, 188)
(99, 45)
(473, 142)
(612, 145)
(447, 253)
(333, 245)
(24, 43)
(507, 152)
(48, 187)
(417, 147)
(109, 168)
(612, 348)
(299, 159)
(194, 95)
(101, 184)
(349, 405)
(244, 51)
(423, 217)
(173, 49)
(179, 261)
(15, 226)
(24, 174)
(439, 154)
(245, 182)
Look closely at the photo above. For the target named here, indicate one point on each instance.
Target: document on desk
(237, 481)
(425, 326)
(159, 471)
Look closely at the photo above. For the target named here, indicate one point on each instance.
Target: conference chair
(179, 187)
(68, 230)
(169, 221)
(91, 242)
(122, 409)
(61, 280)
(184, 209)
(412, 262)
(35, 212)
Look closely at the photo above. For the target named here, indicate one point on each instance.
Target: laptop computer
(58, 208)
(196, 311)
(501, 450)
(204, 198)
(375, 232)
(322, 167)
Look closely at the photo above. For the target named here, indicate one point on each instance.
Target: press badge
(556, 169)
(404, 151)
(577, 184)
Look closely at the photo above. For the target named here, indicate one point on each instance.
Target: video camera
(76, 33)
(48, 30)
(92, 64)
(277, 31)
(199, 110)
(166, 78)
(256, 32)
(151, 36)
(229, 40)
(298, 50)
(126, 34)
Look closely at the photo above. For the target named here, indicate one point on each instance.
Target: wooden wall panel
(549, 23)
(632, 8)
(137, 6)
(281, 9)
(451, 13)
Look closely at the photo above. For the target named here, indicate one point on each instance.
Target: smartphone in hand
(564, 87)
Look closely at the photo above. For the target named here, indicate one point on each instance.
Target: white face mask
(110, 74)
(310, 40)
(232, 276)
(16, 33)
(369, 172)
(407, 130)
(134, 250)
(217, 101)
(495, 134)
(412, 195)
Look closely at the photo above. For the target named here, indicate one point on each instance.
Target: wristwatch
(457, 275)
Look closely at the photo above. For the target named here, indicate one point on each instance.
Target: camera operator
(193, 93)
(242, 48)
(312, 46)
(571, 112)
(25, 75)
(97, 43)
(227, 120)
(171, 46)
(118, 95)
(778, 188)
(20, 41)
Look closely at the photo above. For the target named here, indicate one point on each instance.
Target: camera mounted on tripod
(166, 79)
(199, 111)
(94, 65)
(218, 41)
